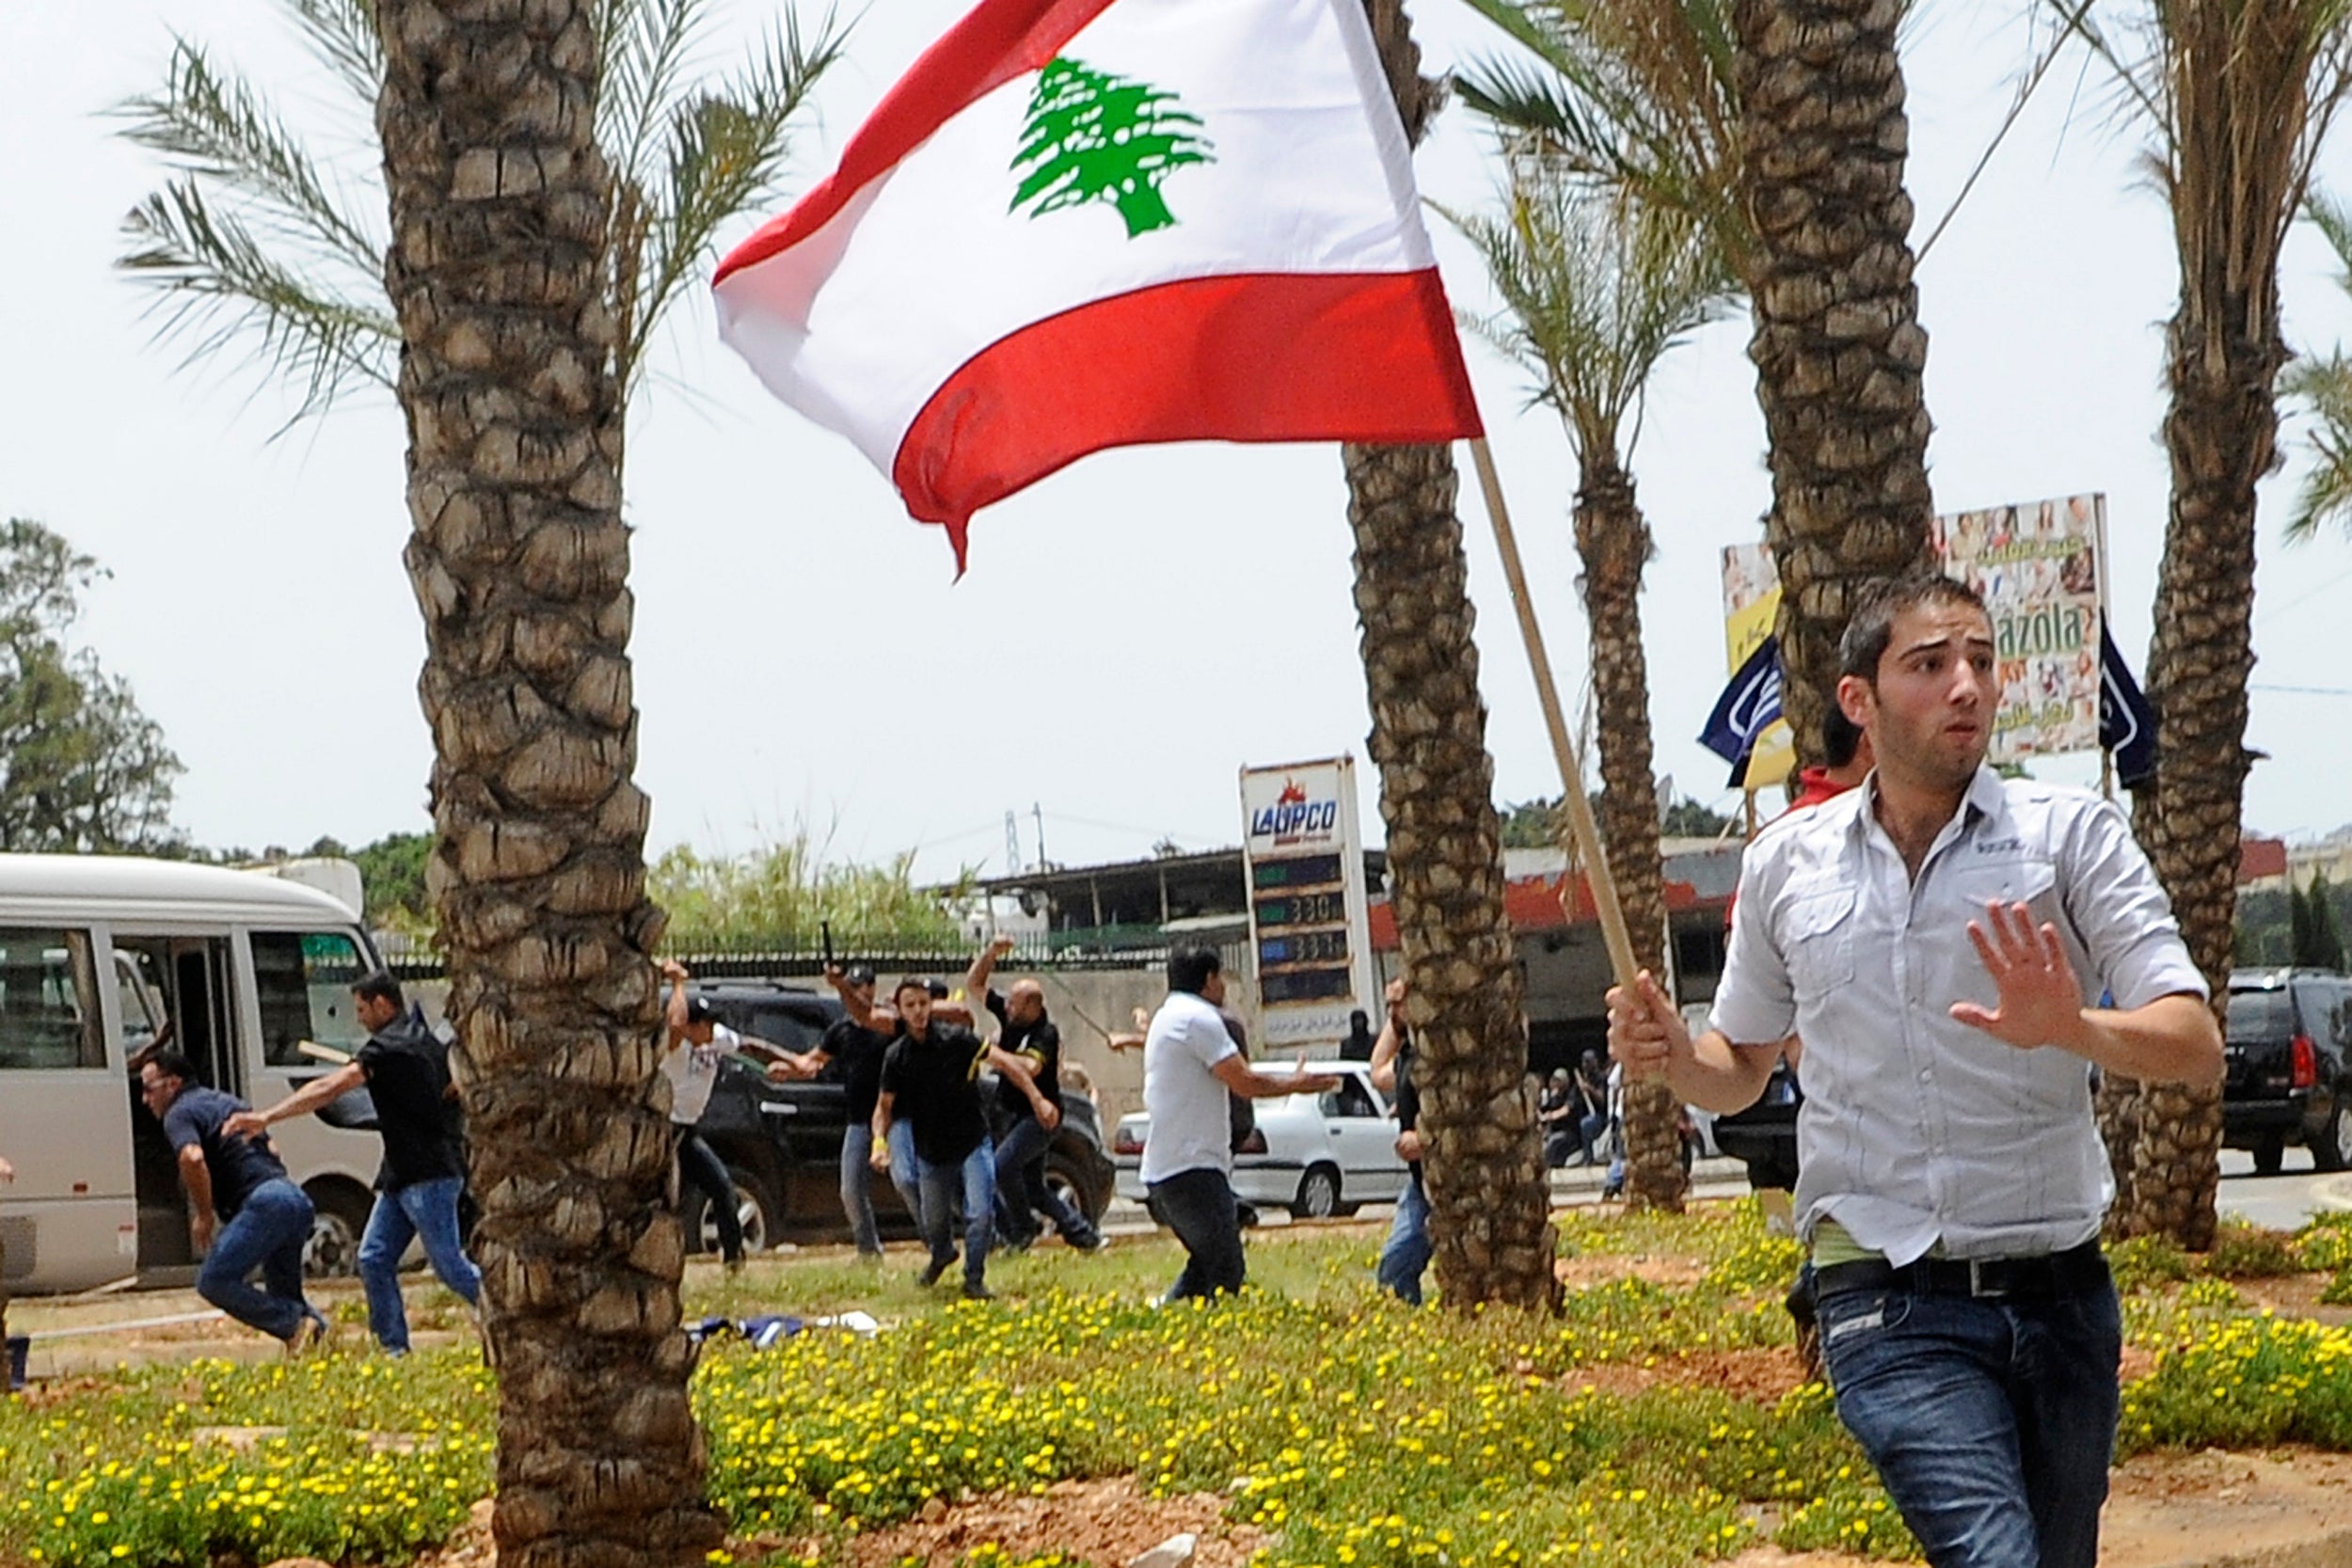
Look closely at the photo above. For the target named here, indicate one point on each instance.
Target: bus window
(48, 1001)
(304, 979)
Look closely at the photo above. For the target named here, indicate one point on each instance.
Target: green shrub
(2147, 1260)
(2244, 1251)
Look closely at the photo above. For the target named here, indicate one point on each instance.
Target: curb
(2332, 1549)
(2334, 1192)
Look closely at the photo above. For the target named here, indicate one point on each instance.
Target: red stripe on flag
(998, 40)
(1278, 357)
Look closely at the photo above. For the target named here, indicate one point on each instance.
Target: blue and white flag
(2127, 724)
(1748, 707)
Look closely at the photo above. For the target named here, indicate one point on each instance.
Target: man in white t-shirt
(697, 1044)
(1189, 1063)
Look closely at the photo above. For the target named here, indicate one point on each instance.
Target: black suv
(2289, 1054)
(782, 1142)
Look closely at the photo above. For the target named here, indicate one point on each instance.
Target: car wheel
(2269, 1155)
(1318, 1194)
(756, 1207)
(2332, 1148)
(340, 1219)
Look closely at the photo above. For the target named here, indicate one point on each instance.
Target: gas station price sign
(1309, 917)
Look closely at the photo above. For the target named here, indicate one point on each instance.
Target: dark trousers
(1991, 1422)
(1022, 1193)
(701, 1167)
(1199, 1206)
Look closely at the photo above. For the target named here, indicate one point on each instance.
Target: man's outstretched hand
(2040, 1001)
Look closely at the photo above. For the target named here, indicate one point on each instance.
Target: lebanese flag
(1080, 223)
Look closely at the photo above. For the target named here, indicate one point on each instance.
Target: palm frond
(723, 153)
(217, 283)
(219, 129)
(1596, 291)
(648, 45)
(341, 33)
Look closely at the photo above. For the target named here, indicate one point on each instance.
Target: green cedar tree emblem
(1093, 136)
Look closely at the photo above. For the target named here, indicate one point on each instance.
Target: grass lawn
(1658, 1419)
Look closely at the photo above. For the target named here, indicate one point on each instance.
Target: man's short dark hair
(173, 1064)
(378, 985)
(1189, 968)
(1872, 624)
(1841, 738)
(912, 982)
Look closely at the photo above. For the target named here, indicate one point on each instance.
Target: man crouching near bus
(404, 1068)
(240, 1182)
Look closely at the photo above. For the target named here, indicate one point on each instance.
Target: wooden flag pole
(1587, 833)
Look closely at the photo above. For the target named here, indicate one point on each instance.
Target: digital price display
(1305, 985)
(1303, 871)
(1301, 909)
(1307, 947)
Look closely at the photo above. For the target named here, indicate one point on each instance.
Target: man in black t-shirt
(1024, 1030)
(243, 1211)
(931, 1078)
(405, 1069)
(860, 1050)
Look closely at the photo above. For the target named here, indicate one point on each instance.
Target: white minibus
(103, 955)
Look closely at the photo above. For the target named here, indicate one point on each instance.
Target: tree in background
(1595, 291)
(82, 770)
(782, 893)
(2238, 97)
(1489, 1203)
(2315, 941)
(2321, 387)
(261, 239)
(392, 878)
(1778, 128)
(1535, 824)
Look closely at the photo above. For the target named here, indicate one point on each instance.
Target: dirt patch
(1584, 1272)
(2295, 1296)
(2167, 1508)
(1765, 1376)
(1105, 1522)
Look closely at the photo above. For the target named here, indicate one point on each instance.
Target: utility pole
(1012, 844)
(1040, 811)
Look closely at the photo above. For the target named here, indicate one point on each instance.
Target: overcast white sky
(1132, 630)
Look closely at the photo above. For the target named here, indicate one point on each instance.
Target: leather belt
(2043, 1276)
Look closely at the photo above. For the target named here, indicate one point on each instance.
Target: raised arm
(1384, 1052)
(1236, 1074)
(315, 1095)
(851, 1002)
(674, 1015)
(976, 978)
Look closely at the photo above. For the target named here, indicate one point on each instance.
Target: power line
(2302, 690)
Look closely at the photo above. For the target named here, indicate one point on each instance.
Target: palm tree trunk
(1837, 343)
(2221, 433)
(1489, 1199)
(498, 204)
(1613, 539)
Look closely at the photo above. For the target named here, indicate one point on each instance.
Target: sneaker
(1094, 1243)
(934, 1269)
(975, 1289)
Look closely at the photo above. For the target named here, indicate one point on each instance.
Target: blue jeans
(1991, 1422)
(421, 1210)
(1199, 1206)
(268, 1233)
(1406, 1256)
(1022, 1192)
(976, 1176)
(857, 1180)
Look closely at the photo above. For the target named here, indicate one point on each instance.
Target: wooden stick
(1585, 833)
(316, 1051)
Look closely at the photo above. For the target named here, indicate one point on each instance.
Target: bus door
(68, 1220)
(191, 978)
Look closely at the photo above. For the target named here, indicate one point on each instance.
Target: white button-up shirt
(1917, 1131)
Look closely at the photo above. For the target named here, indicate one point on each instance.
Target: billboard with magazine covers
(2040, 566)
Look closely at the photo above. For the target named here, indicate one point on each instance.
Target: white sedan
(1317, 1155)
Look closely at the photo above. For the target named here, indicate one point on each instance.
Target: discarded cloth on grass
(765, 1332)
